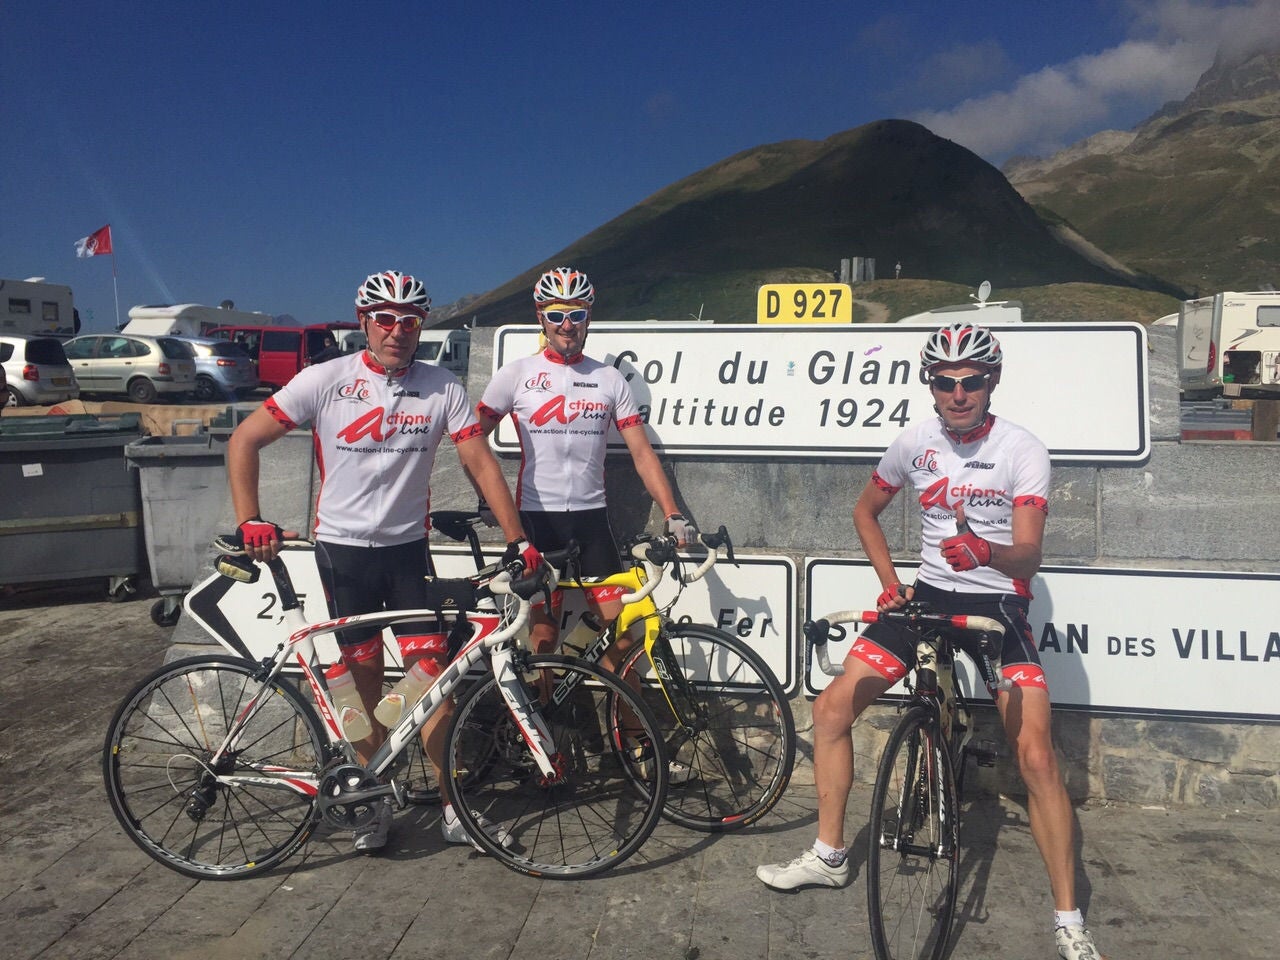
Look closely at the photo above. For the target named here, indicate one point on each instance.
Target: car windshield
(47, 352)
(427, 351)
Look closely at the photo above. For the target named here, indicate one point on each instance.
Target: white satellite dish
(984, 291)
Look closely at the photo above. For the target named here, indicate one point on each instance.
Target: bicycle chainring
(349, 795)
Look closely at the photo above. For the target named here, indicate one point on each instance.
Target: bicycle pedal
(984, 753)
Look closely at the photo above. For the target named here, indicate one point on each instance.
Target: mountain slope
(889, 190)
(1192, 194)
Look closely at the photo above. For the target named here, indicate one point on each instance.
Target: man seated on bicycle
(563, 403)
(967, 467)
(378, 418)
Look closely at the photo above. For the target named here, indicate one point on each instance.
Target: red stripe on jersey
(633, 421)
(485, 411)
(278, 415)
(883, 485)
(1031, 500)
(467, 433)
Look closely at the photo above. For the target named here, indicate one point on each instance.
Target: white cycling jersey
(1003, 467)
(375, 440)
(562, 412)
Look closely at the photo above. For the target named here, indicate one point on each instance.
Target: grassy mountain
(1191, 194)
(789, 212)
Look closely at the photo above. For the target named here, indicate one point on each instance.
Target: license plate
(61, 381)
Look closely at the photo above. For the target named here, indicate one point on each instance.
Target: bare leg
(1026, 715)
(834, 712)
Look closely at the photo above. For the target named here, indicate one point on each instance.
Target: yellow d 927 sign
(804, 303)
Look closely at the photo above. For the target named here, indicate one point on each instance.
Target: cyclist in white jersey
(982, 484)
(377, 418)
(563, 404)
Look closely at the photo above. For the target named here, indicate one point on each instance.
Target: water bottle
(404, 694)
(583, 634)
(346, 701)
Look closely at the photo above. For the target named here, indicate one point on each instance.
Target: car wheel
(11, 398)
(206, 390)
(142, 390)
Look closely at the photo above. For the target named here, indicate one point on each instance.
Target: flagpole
(115, 285)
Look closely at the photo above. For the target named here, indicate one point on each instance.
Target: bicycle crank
(349, 796)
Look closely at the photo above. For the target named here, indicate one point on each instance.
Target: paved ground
(1158, 883)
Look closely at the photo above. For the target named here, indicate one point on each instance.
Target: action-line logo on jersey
(378, 425)
(560, 411)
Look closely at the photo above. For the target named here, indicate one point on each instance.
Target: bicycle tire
(914, 848)
(607, 798)
(736, 745)
(154, 766)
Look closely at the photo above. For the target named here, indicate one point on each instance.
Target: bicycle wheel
(915, 843)
(606, 797)
(191, 816)
(731, 740)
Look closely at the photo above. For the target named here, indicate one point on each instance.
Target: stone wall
(1167, 512)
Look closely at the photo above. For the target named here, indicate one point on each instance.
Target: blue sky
(274, 154)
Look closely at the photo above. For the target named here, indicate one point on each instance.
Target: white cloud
(1174, 43)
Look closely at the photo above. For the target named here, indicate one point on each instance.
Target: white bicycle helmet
(564, 285)
(392, 288)
(961, 343)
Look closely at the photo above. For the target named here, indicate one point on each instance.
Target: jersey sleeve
(890, 474)
(626, 412)
(298, 401)
(1031, 473)
(499, 396)
(460, 419)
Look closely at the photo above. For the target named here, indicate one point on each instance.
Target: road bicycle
(221, 768)
(913, 854)
(725, 719)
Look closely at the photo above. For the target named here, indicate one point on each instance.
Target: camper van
(1230, 344)
(189, 320)
(981, 310)
(38, 309)
(450, 349)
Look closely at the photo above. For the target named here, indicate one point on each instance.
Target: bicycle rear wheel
(607, 795)
(731, 740)
(197, 818)
(915, 843)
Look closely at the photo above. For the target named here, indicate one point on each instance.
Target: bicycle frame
(491, 641)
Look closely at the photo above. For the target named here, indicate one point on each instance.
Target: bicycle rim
(606, 798)
(731, 739)
(172, 804)
(915, 844)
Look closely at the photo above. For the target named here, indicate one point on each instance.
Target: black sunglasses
(975, 381)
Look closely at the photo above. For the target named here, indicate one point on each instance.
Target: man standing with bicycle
(982, 484)
(378, 419)
(563, 404)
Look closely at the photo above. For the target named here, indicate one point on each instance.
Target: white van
(982, 310)
(1230, 343)
(189, 320)
(35, 308)
(446, 348)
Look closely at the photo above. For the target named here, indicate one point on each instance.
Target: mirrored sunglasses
(975, 381)
(387, 320)
(557, 317)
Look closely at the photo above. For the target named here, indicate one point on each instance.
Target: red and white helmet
(564, 285)
(961, 343)
(392, 288)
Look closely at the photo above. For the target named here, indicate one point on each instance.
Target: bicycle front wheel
(730, 734)
(611, 772)
(224, 820)
(915, 843)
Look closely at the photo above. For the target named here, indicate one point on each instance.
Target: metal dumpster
(183, 482)
(69, 506)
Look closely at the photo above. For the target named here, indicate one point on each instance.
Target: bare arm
(649, 468)
(1022, 558)
(482, 469)
(866, 521)
(243, 463)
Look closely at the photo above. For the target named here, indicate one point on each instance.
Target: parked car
(141, 368)
(280, 351)
(224, 369)
(35, 371)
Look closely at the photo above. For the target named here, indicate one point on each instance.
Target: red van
(279, 351)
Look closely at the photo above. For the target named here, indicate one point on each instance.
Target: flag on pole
(95, 243)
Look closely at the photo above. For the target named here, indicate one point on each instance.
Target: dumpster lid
(69, 426)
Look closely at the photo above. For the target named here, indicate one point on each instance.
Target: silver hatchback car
(224, 369)
(141, 368)
(36, 371)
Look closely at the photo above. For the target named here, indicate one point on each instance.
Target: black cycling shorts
(552, 530)
(369, 579)
(1019, 658)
